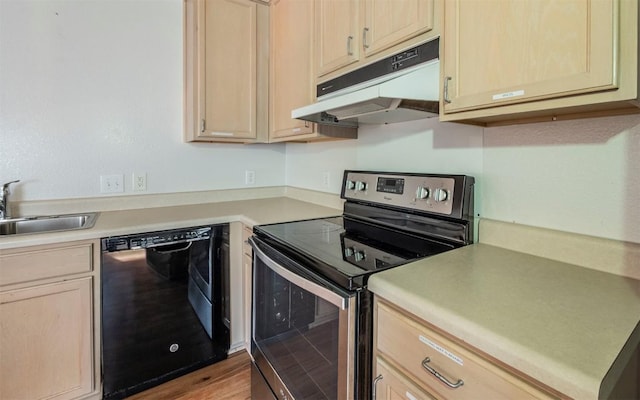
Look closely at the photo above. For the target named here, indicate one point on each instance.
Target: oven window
(298, 333)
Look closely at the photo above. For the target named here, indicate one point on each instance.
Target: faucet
(5, 212)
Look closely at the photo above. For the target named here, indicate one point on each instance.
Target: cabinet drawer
(408, 343)
(41, 262)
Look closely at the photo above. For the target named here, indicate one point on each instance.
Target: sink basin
(49, 223)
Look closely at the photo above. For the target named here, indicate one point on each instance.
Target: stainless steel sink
(48, 223)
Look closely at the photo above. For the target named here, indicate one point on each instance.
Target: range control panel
(367, 257)
(434, 193)
(154, 239)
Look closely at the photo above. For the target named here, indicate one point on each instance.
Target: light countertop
(113, 223)
(562, 324)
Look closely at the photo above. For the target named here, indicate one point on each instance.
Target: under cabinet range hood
(402, 87)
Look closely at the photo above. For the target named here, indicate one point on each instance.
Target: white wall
(579, 176)
(95, 87)
(418, 146)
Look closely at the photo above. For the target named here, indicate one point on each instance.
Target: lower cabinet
(247, 273)
(49, 330)
(414, 361)
(391, 384)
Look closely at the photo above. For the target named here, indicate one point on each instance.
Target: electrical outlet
(326, 179)
(112, 183)
(139, 180)
(249, 177)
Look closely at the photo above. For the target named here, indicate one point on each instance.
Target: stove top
(347, 251)
(389, 219)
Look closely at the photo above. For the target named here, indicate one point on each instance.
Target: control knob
(350, 185)
(361, 186)
(359, 255)
(422, 193)
(441, 194)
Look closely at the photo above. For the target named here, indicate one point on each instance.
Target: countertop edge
(555, 373)
(130, 221)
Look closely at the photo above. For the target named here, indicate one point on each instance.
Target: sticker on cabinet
(410, 396)
(508, 95)
(441, 350)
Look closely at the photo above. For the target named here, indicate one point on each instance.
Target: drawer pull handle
(375, 386)
(425, 365)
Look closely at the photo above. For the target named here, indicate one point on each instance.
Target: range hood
(402, 87)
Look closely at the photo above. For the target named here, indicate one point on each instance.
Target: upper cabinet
(292, 79)
(338, 25)
(352, 33)
(249, 64)
(506, 59)
(226, 71)
(387, 23)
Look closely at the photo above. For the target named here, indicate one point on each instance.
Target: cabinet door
(390, 384)
(226, 67)
(337, 24)
(505, 52)
(46, 341)
(230, 68)
(292, 80)
(389, 22)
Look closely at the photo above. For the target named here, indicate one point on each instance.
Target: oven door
(303, 337)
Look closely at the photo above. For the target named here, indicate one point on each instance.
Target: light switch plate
(113, 183)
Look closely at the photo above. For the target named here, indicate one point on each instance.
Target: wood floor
(226, 380)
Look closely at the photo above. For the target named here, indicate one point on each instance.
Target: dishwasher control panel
(155, 239)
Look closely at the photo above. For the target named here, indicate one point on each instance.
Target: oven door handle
(298, 280)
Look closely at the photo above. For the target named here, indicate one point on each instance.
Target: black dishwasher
(164, 306)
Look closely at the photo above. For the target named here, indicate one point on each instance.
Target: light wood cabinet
(226, 71)
(392, 385)
(387, 23)
(338, 27)
(538, 59)
(292, 74)
(247, 273)
(291, 46)
(353, 33)
(405, 348)
(49, 322)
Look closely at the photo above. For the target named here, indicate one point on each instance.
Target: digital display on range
(391, 185)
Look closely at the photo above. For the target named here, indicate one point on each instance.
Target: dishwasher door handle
(158, 248)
